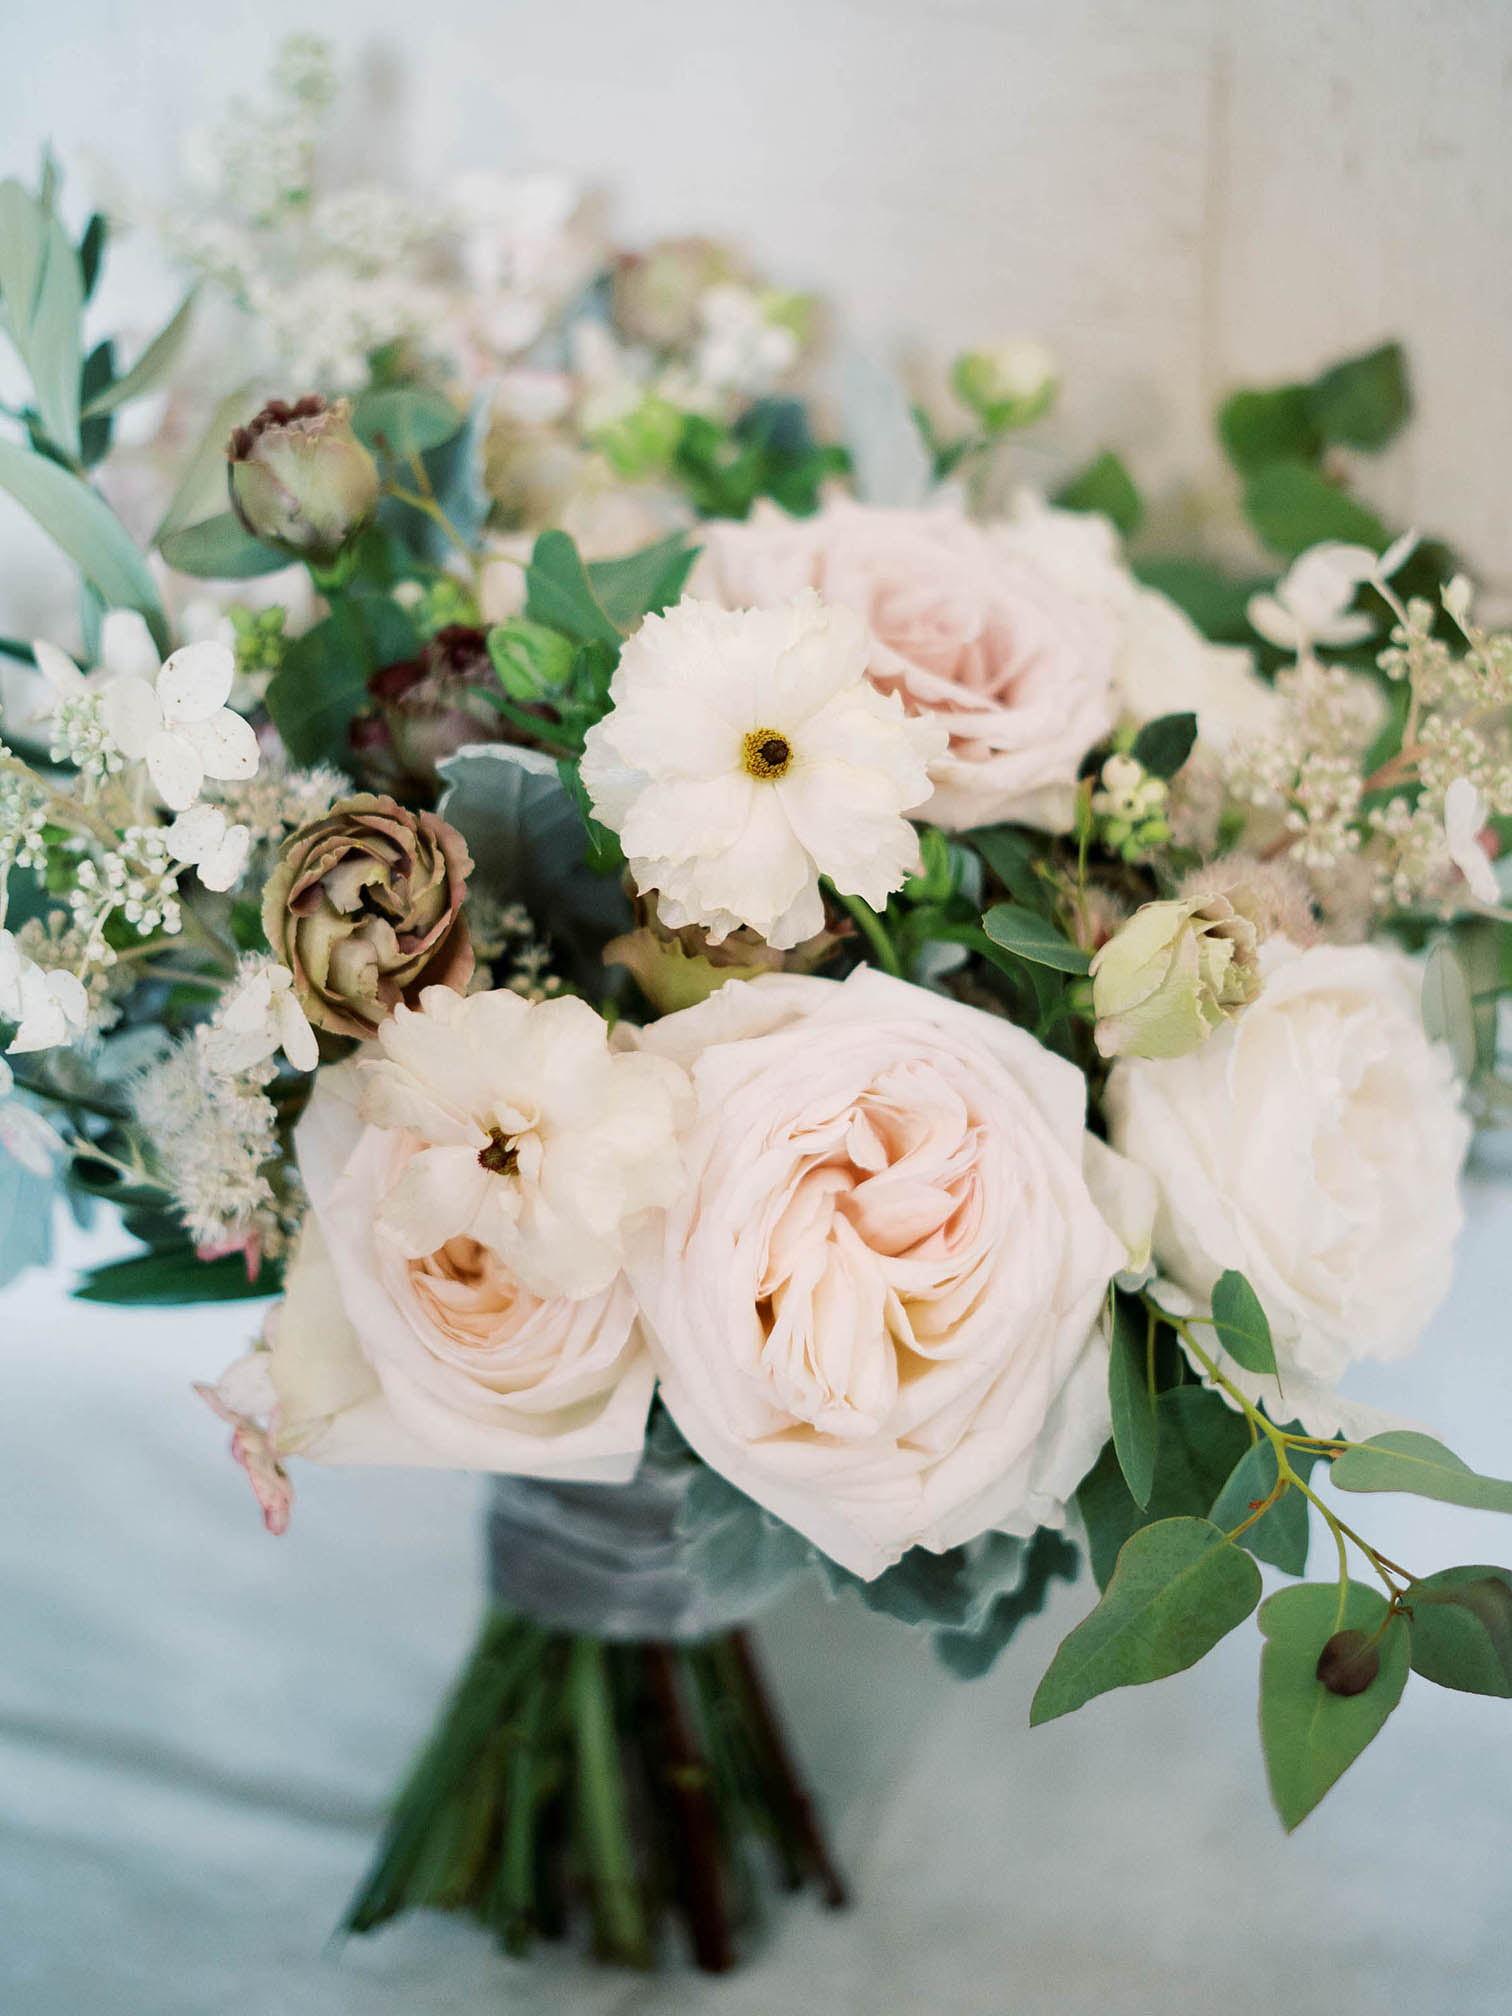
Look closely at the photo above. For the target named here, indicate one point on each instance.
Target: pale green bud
(530, 659)
(1168, 977)
(1008, 386)
(300, 480)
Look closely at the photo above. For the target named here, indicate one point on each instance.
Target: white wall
(1176, 194)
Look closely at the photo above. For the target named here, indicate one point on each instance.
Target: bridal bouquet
(777, 995)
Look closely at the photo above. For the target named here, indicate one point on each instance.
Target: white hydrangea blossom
(48, 1006)
(179, 725)
(257, 1017)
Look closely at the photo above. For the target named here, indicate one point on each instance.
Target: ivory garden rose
(1314, 1143)
(874, 1304)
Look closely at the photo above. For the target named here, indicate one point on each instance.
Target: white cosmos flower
(180, 725)
(50, 1007)
(257, 1017)
(204, 839)
(1464, 822)
(745, 755)
(534, 1139)
(1311, 603)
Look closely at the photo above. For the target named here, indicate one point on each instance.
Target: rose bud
(429, 707)
(1168, 977)
(1009, 386)
(1348, 1663)
(677, 968)
(300, 480)
(365, 909)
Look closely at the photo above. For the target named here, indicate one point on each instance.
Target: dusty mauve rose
(874, 1305)
(365, 910)
(444, 1359)
(427, 708)
(968, 629)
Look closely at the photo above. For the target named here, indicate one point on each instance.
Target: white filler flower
(180, 725)
(528, 1134)
(745, 755)
(48, 1007)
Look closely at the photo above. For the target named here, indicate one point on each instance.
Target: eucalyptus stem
(619, 1914)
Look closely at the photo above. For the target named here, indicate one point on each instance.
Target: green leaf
(559, 593)
(92, 251)
(201, 489)
(1292, 507)
(42, 292)
(1135, 1422)
(1200, 1440)
(1011, 853)
(1273, 425)
(95, 434)
(174, 1275)
(1310, 1736)
(1279, 1535)
(1461, 1629)
(1365, 401)
(403, 421)
(1105, 485)
(1216, 603)
(1179, 1587)
(1163, 745)
(1241, 1324)
(737, 1550)
(1403, 1460)
(154, 364)
(323, 678)
(644, 583)
(220, 549)
(1032, 937)
(88, 531)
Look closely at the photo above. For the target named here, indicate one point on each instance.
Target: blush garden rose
(874, 1305)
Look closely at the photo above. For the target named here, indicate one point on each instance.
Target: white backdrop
(1176, 194)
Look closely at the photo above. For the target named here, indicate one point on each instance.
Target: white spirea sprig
(137, 879)
(211, 1137)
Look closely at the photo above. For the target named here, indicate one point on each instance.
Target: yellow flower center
(500, 1157)
(767, 754)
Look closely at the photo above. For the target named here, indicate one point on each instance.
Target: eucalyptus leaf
(559, 593)
(1404, 1460)
(1241, 1324)
(1216, 602)
(1365, 401)
(405, 421)
(154, 364)
(1135, 1422)
(201, 491)
(1011, 853)
(220, 549)
(1029, 936)
(1312, 1736)
(644, 583)
(1271, 425)
(1279, 1535)
(1200, 1441)
(1105, 485)
(87, 530)
(322, 681)
(1292, 507)
(92, 251)
(54, 346)
(1461, 1628)
(1179, 1587)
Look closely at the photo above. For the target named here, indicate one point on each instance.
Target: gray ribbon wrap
(607, 1560)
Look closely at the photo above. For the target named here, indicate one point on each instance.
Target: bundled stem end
(637, 1787)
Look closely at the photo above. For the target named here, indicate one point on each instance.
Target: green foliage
(1163, 745)
(26, 1217)
(1293, 507)
(92, 251)
(969, 1652)
(1179, 1586)
(42, 299)
(220, 549)
(1136, 1425)
(1363, 402)
(559, 593)
(1105, 485)
(1274, 425)
(87, 530)
(323, 679)
(1030, 936)
(1462, 1629)
(737, 1549)
(1281, 1534)
(403, 422)
(1217, 604)
(95, 433)
(1403, 1460)
(769, 452)
(1241, 1324)
(1199, 1441)
(643, 583)
(531, 660)
(1310, 1735)
(1448, 1009)
(1011, 854)
(154, 364)
(174, 1275)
